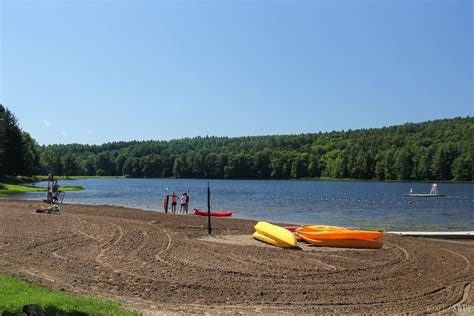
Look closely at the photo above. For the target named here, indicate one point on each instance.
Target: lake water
(345, 203)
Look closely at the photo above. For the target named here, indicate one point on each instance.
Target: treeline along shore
(433, 150)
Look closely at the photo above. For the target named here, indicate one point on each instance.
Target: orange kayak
(317, 228)
(341, 234)
(345, 243)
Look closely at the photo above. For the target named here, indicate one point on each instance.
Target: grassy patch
(15, 188)
(71, 188)
(16, 293)
(6, 189)
(45, 178)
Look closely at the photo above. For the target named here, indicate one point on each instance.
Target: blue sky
(99, 71)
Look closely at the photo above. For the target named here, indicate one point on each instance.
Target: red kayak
(219, 214)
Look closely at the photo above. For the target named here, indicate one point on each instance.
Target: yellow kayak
(281, 236)
(269, 240)
(345, 243)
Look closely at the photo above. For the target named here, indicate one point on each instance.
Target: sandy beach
(165, 264)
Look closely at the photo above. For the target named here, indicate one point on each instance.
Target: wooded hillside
(433, 150)
(19, 152)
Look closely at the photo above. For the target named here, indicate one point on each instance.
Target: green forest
(433, 150)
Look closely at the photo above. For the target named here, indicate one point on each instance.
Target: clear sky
(100, 71)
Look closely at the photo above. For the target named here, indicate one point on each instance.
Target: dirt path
(160, 262)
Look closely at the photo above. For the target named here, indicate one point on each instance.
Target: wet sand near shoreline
(163, 263)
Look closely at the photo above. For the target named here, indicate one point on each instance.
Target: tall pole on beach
(167, 199)
(209, 228)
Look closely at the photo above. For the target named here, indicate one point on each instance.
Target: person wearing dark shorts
(174, 201)
(187, 203)
(183, 203)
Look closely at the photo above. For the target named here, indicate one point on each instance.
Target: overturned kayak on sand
(269, 240)
(344, 243)
(218, 214)
(341, 234)
(315, 228)
(274, 235)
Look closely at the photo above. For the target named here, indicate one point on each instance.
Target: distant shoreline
(45, 178)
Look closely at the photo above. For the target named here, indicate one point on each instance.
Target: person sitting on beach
(183, 203)
(174, 201)
(48, 210)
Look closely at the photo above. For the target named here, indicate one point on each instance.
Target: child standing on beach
(165, 204)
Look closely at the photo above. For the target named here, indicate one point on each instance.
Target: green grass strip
(71, 188)
(15, 188)
(14, 294)
(6, 189)
(45, 178)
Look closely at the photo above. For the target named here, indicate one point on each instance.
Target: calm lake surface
(345, 203)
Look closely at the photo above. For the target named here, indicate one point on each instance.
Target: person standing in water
(174, 201)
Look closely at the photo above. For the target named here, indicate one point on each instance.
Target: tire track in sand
(168, 246)
(102, 251)
(462, 300)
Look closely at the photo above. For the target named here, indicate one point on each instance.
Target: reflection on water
(346, 203)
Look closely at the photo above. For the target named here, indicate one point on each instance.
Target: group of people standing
(183, 200)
